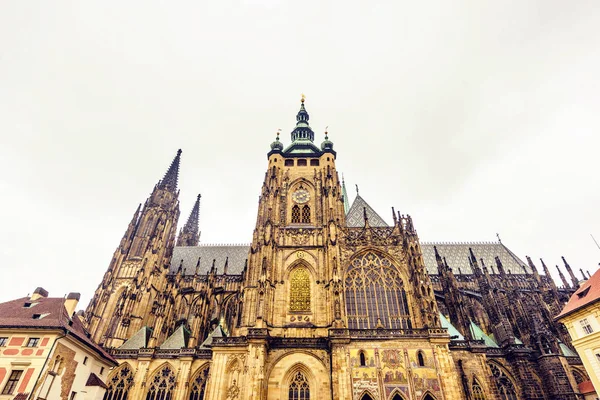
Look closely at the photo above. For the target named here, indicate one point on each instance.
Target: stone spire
(563, 279)
(189, 235)
(303, 130)
(169, 182)
(571, 274)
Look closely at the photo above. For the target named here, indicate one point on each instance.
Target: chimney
(71, 303)
(39, 292)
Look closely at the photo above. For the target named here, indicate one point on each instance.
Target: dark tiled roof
(14, 314)
(588, 292)
(457, 257)
(355, 218)
(235, 255)
(94, 380)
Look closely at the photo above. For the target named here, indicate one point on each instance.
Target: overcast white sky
(474, 117)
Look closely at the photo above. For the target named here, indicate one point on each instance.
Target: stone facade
(330, 303)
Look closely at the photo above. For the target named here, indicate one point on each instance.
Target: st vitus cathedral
(328, 302)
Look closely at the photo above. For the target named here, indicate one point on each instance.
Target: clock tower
(294, 248)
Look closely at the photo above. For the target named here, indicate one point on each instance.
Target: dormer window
(582, 294)
(301, 162)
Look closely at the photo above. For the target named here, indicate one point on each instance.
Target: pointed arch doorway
(366, 396)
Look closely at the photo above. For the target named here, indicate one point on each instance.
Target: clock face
(301, 196)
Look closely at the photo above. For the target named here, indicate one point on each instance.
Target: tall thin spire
(563, 279)
(571, 274)
(169, 182)
(189, 235)
(345, 194)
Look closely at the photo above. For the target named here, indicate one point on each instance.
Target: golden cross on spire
(303, 98)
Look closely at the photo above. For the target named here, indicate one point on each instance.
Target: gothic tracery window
(506, 389)
(199, 385)
(162, 385)
(477, 391)
(119, 384)
(375, 294)
(299, 388)
(300, 290)
(306, 214)
(296, 214)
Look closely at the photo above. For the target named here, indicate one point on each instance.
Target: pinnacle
(192, 222)
(169, 182)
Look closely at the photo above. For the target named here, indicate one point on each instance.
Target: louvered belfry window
(296, 214)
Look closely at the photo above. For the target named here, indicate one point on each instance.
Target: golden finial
(303, 98)
(278, 130)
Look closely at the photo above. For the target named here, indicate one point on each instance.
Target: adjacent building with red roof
(581, 316)
(46, 353)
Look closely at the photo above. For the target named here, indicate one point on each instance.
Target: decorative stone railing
(387, 333)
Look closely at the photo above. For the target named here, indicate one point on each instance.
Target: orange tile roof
(588, 292)
(586, 387)
(14, 314)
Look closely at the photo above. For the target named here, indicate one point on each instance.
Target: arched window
(477, 390)
(306, 214)
(366, 396)
(199, 385)
(375, 293)
(428, 397)
(296, 214)
(299, 388)
(162, 385)
(300, 290)
(363, 361)
(506, 389)
(420, 359)
(119, 384)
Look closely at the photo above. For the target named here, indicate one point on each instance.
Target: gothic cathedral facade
(327, 302)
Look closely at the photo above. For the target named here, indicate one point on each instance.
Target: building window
(296, 214)
(73, 394)
(420, 359)
(289, 163)
(162, 385)
(375, 294)
(314, 163)
(33, 342)
(119, 384)
(299, 388)
(300, 290)
(363, 359)
(301, 163)
(306, 214)
(13, 380)
(85, 359)
(506, 389)
(477, 391)
(3, 341)
(585, 325)
(101, 370)
(199, 386)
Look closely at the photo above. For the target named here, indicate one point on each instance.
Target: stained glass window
(296, 214)
(119, 384)
(299, 388)
(375, 294)
(162, 385)
(300, 290)
(199, 385)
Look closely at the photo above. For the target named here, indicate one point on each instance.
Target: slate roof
(14, 314)
(177, 340)
(588, 292)
(138, 340)
(457, 257)
(235, 255)
(94, 380)
(355, 216)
